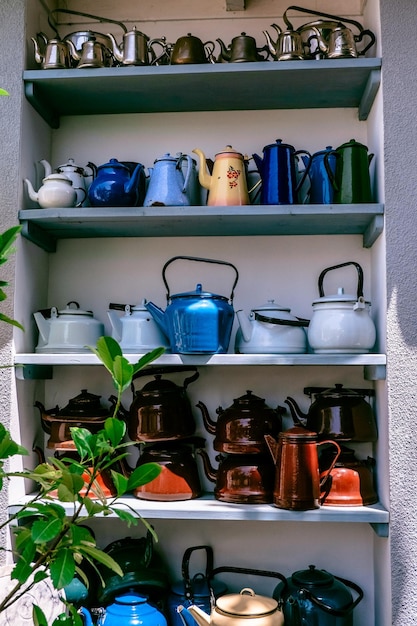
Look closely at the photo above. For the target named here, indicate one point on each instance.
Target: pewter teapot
(242, 49)
(133, 50)
(53, 54)
(288, 46)
(190, 49)
(93, 54)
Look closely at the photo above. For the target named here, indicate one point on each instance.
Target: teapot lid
(70, 165)
(297, 434)
(278, 142)
(167, 157)
(248, 398)
(198, 293)
(130, 598)
(246, 604)
(337, 392)
(312, 577)
(158, 385)
(85, 405)
(57, 176)
(352, 144)
(115, 164)
(74, 310)
(270, 306)
(227, 151)
(340, 296)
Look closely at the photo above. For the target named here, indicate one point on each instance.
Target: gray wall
(399, 20)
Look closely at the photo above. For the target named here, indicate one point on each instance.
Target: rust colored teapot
(161, 410)
(241, 478)
(240, 428)
(350, 482)
(297, 478)
(337, 413)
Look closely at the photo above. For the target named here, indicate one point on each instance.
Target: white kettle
(341, 322)
(270, 329)
(136, 330)
(68, 330)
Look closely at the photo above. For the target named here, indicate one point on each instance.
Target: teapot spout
(46, 166)
(117, 52)
(272, 46)
(225, 53)
(86, 616)
(209, 471)
(299, 418)
(116, 325)
(33, 195)
(193, 614)
(203, 176)
(245, 325)
(43, 325)
(209, 424)
(39, 55)
(158, 315)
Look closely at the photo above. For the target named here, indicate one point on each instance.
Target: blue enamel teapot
(128, 609)
(196, 322)
(172, 181)
(116, 185)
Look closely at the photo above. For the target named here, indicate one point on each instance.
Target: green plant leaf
(143, 474)
(23, 567)
(8, 447)
(103, 558)
(45, 530)
(8, 320)
(70, 486)
(129, 518)
(120, 482)
(62, 568)
(38, 616)
(93, 508)
(115, 430)
(106, 351)
(81, 534)
(83, 438)
(3, 92)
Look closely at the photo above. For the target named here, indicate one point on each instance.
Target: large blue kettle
(196, 322)
(129, 609)
(281, 181)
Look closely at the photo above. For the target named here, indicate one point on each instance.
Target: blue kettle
(116, 186)
(280, 180)
(169, 184)
(129, 609)
(321, 185)
(196, 322)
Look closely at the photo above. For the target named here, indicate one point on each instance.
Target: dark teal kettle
(351, 180)
(196, 322)
(128, 609)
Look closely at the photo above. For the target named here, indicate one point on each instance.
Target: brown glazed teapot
(240, 428)
(241, 478)
(337, 413)
(161, 410)
(84, 411)
(297, 476)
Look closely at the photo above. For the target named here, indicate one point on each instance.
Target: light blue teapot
(129, 609)
(172, 181)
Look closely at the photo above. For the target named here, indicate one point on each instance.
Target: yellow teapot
(227, 184)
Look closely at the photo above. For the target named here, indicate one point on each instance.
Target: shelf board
(326, 83)
(45, 226)
(208, 508)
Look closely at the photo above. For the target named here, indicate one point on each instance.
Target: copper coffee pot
(297, 475)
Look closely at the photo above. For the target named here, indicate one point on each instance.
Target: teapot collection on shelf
(201, 322)
(145, 592)
(328, 37)
(283, 174)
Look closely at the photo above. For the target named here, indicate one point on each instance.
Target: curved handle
(334, 267)
(333, 463)
(329, 609)
(79, 204)
(329, 170)
(319, 14)
(202, 260)
(185, 567)
(102, 20)
(185, 157)
(364, 33)
(275, 320)
(306, 170)
(167, 370)
(254, 572)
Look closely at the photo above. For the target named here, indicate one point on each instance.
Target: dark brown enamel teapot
(241, 478)
(337, 413)
(85, 410)
(161, 410)
(240, 428)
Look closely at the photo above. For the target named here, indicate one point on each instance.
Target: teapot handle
(306, 169)
(185, 568)
(246, 570)
(102, 20)
(358, 38)
(334, 267)
(319, 14)
(202, 260)
(329, 609)
(282, 322)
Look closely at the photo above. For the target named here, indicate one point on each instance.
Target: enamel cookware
(135, 330)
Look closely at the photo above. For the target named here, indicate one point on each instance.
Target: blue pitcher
(169, 184)
(129, 609)
(321, 186)
(116, 186)
(279, 174)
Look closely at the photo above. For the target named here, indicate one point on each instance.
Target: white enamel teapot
(341, 322)
(81, 177)
(270, 329)
(68, 330)
(55, 192)
(136, 330)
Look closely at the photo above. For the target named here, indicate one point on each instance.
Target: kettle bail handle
(282, 322)
(319, 14)
(330, 609)
(185, 567)
(254, 572)
(102, 20)
(334, 267)
(202, 260)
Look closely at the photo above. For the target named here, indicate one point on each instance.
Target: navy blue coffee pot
(279, 173)
(321, 186)
(116, 185)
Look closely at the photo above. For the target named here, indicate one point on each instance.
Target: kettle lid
(229, 150)
(312, 577)
(248, 399)
(198, 293)
(340, 296)
(85, 404)
(70, 165)
(271, 306)
(115, 164)
(246, 604)
(74, 310)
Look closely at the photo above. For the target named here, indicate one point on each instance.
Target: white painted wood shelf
(208, 508)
